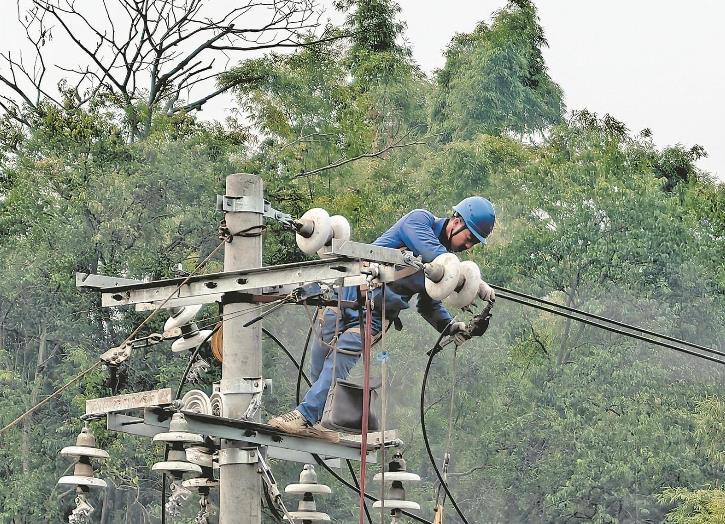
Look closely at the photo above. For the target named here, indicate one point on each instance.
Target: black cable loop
(436, 349)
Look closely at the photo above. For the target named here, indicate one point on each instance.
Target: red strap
(367, 337)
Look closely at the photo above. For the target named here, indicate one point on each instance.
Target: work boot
(296, 424)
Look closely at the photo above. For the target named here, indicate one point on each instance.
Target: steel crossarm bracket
(136, 426)
(369, 252)
(261, 435)
(204, 289)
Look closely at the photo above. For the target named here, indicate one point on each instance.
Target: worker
(427, 236)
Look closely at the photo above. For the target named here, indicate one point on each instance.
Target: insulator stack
(178, 435)
(83, 478)
(176, 464)
(307, 488)
(396, 474)
(205, 482)
(316, 229)
(191, 336)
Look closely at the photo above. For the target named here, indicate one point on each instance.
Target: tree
(144, 57)
(495, 79)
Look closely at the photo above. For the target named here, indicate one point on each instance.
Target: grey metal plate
(142, 399)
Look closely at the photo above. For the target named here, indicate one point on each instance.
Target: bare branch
(376, 154)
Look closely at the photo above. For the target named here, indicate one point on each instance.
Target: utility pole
(240, 485)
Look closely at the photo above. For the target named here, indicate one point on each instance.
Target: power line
(608, 320)
(581, 317)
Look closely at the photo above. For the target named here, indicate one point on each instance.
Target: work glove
(458, 332)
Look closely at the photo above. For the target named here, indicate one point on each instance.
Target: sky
(649, 63)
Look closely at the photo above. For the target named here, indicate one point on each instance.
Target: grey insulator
(84, 450)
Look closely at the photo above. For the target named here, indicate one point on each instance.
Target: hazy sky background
(648, 63)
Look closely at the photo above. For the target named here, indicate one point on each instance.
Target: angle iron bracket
(238, 456)
(239, 204)
(249, 386)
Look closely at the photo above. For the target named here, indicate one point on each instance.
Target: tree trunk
(34, 393)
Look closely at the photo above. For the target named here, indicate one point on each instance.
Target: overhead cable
(581, 317)
(609, 320)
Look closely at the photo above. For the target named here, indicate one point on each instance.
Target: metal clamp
(249, 386)
(285, 218)
(119, 354)
(240, 204)
(238, 456)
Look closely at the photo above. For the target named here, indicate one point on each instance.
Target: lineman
(426, 236)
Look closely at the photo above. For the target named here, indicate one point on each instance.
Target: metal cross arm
(262, 435)
(204, 289)
(352, 265)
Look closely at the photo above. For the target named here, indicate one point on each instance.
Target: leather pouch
(343, 409)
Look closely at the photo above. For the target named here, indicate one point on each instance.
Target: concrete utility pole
(240, 485)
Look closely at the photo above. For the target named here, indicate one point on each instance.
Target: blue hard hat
(478, 214)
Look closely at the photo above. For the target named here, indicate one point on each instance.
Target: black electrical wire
(357, 488)
(605, 319)
(301, 373)
(304, 354)
(433, 352)
(608, 328)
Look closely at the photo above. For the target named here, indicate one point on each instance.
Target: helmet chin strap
(454, 233)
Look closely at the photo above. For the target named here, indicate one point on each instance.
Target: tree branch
(339, 163)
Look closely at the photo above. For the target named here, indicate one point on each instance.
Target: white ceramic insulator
(176, 467)
(340, 230)
(84, 451)
(217, 404)
(183, 317)
(469, 283)
(79, 480)
(179, 436)
(321, 231)
(317, 489)
(391, 476)
(450, 265)
(197, 401)
(191, 342)
(396, 504)
(200, 483)
(308, 516)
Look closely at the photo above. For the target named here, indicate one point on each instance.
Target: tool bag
(343, 409)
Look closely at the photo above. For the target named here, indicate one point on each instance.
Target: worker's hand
(458, 332)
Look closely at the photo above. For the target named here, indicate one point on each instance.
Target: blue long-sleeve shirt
(419, 232)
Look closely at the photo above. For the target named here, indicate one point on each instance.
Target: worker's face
(462, 238)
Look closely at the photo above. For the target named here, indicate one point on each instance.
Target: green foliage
(553, 421)
(495, 79)
(703, 506)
